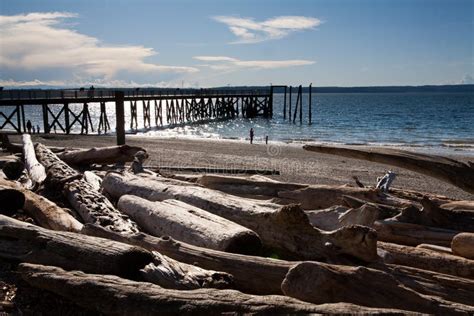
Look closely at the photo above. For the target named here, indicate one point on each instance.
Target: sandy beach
(293, 163)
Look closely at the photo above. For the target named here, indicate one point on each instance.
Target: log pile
(142, 243)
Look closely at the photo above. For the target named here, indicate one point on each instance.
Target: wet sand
(294, 163)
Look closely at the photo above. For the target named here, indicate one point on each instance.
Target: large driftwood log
(340, 216)
(324, 196)
(102, 155)
(190, 224)
(361, 286)
(446, 169)
(113, 295)
(433, 215)
(458, 205)
(92, 206)
(426, 259)
(35, 170)
(46, 213)
(412, 234)
(287, 229)
(29, 243)
(463, 245)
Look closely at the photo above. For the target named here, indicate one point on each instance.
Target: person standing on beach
(266, 140)
(28, 126)
(251, 135)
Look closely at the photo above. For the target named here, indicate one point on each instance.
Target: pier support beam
(120, 115)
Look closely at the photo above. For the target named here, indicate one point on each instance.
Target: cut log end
(11, 200)
(247, 243)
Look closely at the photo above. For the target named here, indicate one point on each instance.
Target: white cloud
(467, 79)
(37, 41)
(226, 63)
(250, 31)
(98, 83)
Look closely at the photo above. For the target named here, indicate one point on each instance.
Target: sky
(181, 43)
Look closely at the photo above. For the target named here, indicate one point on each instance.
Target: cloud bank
(228, 63)
(37, 41)
(248, 30)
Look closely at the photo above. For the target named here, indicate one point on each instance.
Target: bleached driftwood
(112, 295)
(101, 155)
(33, 244)
(92, 206)
(435, 248)
(412, 234)
(190, 224)
(361, 286)
(46, 213)
(339, 216)
(463, 245)
(11, 200)
(446, 169)
(94, 180)
(324, 196)
(426, 259)
(458, 205)
(35, 170)
(287, 229)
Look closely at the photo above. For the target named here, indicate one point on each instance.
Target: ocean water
(428, 120)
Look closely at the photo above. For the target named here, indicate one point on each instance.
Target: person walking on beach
(266, 140)
(251, 135)
(37, 129)
(28, 126)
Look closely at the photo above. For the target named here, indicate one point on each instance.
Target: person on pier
(251, 135)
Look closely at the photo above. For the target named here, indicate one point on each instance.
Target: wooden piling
(289, 104)
(120, 117)
(309, 105)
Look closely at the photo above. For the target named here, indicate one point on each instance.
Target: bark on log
(433, 215)
(361, 286)
(102, 155)
(412, 234)
(339, 216)
(35, 170)
(190, 224)
(46, 213)
(92, 206)
(287, 229)
(324, 196)
(463, 245)
(426, 260)
(446, 169)
(11, 200)
(113, 295)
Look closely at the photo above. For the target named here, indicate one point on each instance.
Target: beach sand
(294, 163)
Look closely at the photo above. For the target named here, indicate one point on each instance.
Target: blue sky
(215, 43)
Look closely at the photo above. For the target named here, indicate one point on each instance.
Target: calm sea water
(437, 120)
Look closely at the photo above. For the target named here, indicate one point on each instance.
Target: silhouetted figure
(37, 129)
(28, 126)
(34, 130)
(251, 136)
(266, 140)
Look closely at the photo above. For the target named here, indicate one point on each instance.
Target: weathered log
(446, 169)
(215, 170)
(12, 166)
(435, 248)
(35, 170)
(94, 180)
(458, 205)
(340, 216)
(11, 200)
(102, 155)
(463, 245)
(385, 211)
(412, 234)
(92, 206)
(433, 215)
(287, 229)
(46, 213)
(324, 196)
(426, 259)
(361, 286)
(29, 243)
(190, 224)
(112, 295)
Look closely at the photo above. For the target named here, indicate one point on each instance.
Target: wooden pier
(164, 107)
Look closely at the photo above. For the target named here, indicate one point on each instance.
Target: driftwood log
(101, 155)
(46, 213)
(113, 295)
(29, 243)
(463, 245)
(426, 259)
(190, 224)
(361, 286)
(340, 216)
(441, 249)
(458, 205)
(446, 169)
(92, 206)
(94, 180)
(35, 170)
(412, 234)
(287, 229)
